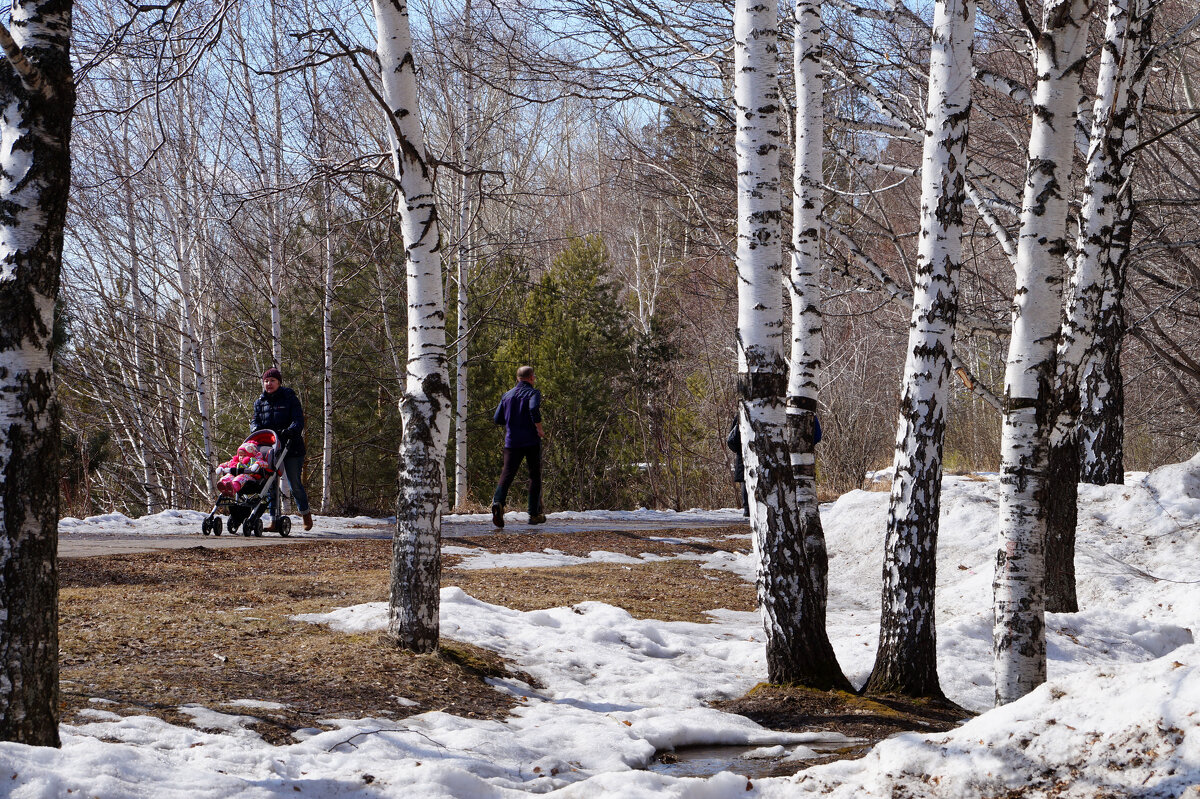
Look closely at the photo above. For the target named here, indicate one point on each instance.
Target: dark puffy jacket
(734, 442)
(282, 413)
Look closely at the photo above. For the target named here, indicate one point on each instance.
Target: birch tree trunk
(1102, 392)
(327, 336)
(425, 406)
(466, 255)
(327, 332)
(1102, 416)
(1105, 227)
(906, 661)
(460, 360)
(805, 365)
(798, 649)
(274, 221)
(1019, 642)
(135, 333)
(37, 98)
(186, 250)
(276, 231)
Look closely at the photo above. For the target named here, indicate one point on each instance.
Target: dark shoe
(307, 521)
(537, 518)
(498, 516)
(273, 527)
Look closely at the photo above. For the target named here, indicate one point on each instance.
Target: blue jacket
(520, 410)
(282, 413)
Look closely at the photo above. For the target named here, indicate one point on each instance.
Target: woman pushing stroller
(279, 409)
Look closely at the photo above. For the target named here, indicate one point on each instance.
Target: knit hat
(273, 372)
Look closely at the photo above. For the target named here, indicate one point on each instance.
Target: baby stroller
(253, 498)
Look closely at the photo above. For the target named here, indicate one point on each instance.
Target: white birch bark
(327, 331)
(186, 252)
(1099, 209)
(425, 407)
(1019, 604)
(135, 332)
(1092, 326)
(460, 366)
(906, 660)
(805, 287)
(274, 248)
(327, 336)
(466, 255)
(275, 233)
(37, 102)
(797, 647)
(1101, 423)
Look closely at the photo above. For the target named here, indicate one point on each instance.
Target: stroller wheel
(216, 526)
(248, 527)
(258, 527)
(285, 526)
(206, 526)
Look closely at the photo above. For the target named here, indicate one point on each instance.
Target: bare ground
(151, 633)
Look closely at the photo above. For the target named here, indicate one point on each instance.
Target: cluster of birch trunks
(1057, 348)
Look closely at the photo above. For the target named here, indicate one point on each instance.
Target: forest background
(232, 209)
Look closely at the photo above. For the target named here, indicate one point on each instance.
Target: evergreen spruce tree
(571, 331)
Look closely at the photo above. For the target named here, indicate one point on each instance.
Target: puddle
(749, 761)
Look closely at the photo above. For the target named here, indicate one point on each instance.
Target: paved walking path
(82, 543)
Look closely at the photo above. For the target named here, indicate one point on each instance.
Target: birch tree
(37, 95)
(1101, 429)
(1019, 641)
(466, 256)
(805, 363)
(906, 661)
(798, 649)
(325, 225)
(1094, 298)
(426, 403)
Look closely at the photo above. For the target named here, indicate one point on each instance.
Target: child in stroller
(243, 471)
(246, 482)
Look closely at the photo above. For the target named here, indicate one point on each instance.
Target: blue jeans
(292, 467)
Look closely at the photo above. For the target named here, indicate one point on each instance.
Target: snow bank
(1133, 731)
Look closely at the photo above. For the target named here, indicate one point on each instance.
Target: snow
(722, 516)
(1120, 715)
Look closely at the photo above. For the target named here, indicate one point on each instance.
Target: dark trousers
(512, 460)
(292, 467)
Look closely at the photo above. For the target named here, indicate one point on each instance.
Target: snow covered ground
(1119, 717)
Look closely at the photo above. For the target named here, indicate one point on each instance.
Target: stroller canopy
(263, 438)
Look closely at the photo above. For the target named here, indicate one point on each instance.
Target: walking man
(520, 411)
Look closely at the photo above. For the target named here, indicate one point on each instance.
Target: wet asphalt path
(77, 544)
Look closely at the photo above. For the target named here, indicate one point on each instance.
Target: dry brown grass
(470, 505)
(669, 591)
(156, 631)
